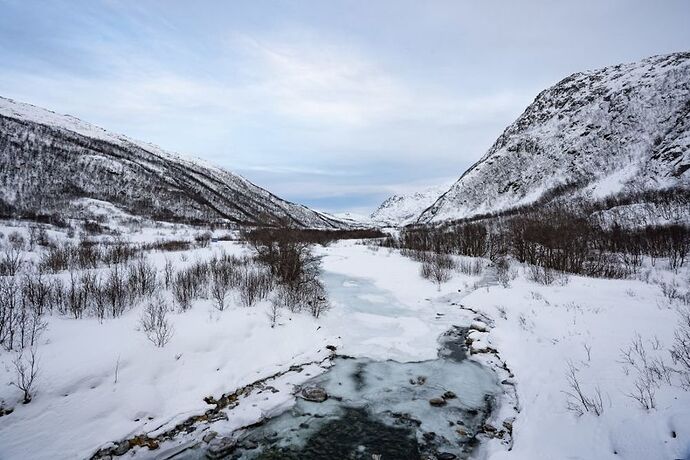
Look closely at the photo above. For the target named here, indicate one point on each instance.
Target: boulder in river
(314, 394)
(437, 402)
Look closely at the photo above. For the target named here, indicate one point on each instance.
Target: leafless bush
(155, 323)
(203, 239)
(273, 312)
(183, 290)
(316, 298)
(503, 271)
(680, 351)
(255, 285)
(577, 400)
(36, 291)
(436, 270)
(55, 259)
(471, 267)
(650, 372)
(168, 274)
(141, 279)
(541, 275)
(119, 253)
(115, 291)
(11, 260)
(26, 368)
(20, 322)
(672, 291)
(220, 288)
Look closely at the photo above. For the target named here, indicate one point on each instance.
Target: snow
(615, 130)
(382, 309)
(403, 209)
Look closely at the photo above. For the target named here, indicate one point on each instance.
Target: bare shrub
(55, 259)
(119, 253)
(155, 323)
(541, 275)
(168, 274)
(471, 267)
(316, 298)
(503, 271)
(273, 312)
(255, 285)
(26, 371)
(11, 260)
(220, 288)
(183, 290)
(203, 239)
(650, 372)
(577, 400)
(680, 351)
(141, 279)
(115, 291)
(437, 270)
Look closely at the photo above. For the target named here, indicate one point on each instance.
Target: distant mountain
(50, 161)
(619, 131)
(402, 209)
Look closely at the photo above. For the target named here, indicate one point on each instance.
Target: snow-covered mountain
(48, 161)
(402, 209)
(623, 129)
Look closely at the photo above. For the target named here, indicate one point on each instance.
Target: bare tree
(26, 368)
(155, 323)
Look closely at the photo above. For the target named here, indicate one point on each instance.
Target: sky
(333, 104)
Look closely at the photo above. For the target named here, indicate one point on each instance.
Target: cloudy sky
(335, 104)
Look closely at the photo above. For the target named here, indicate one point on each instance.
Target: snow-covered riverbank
(105, 382)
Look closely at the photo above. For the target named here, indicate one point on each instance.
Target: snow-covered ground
(105, 382)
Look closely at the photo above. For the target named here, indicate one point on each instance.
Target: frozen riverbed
(401, 410)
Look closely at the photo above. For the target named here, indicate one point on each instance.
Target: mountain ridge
(188, 189)
(637, 113)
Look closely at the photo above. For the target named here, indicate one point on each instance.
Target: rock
(249, 444)
(479, 326)
(220, 448)
(121, 448)
(429, 436)
(446, 456)
(331, 347)
(217, 416)
(420, 380)
(314, 394)
(489, 430)
(208, 437)
(449, 395)
(437, 402)
(508, 425)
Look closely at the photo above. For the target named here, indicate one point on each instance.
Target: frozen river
(380, 408)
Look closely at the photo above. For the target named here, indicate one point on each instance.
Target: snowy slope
(48, 160)
(619, 129)
(402, 209)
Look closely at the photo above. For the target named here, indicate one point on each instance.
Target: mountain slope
(618, 130)
(49, 160)
(403, 209)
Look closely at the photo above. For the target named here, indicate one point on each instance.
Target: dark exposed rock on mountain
(48, 162)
